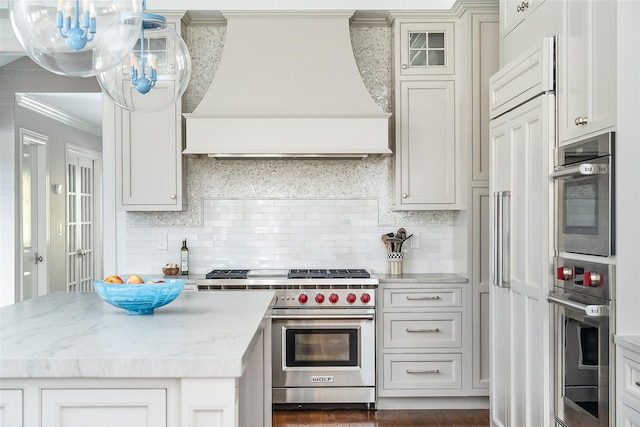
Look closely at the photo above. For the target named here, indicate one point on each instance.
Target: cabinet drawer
(630, 377)
(419, 298)
(422, 371)
(422, 330)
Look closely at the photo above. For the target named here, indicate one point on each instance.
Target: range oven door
(581, 361)
(319, 348)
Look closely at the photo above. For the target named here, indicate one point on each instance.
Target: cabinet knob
(522, 6)
(581, 121)
(404, 66)
(404, 195)
(173, 197)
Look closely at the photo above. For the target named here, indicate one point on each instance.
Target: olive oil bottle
(184, 258)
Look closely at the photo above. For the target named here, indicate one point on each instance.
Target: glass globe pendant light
(73, 37)
(157, 72)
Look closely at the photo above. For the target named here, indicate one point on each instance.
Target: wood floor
(382, 418)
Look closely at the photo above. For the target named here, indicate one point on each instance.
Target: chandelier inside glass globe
(156, 73)
(79, 38)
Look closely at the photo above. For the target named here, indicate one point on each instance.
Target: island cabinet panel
(104, 407)
(11, 407)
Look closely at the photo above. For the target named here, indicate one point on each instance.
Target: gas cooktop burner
(328, 274)
(302, 273)
(227, 274)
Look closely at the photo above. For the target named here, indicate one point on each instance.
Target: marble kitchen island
(71, 359)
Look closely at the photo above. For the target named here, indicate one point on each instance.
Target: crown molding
(37, 106)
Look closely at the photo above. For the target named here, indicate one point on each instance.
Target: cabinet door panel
(104, 407)
(428, 163)
(586, 68)
(426, 48)
(11, 403)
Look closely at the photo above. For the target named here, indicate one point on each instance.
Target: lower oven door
(582, 337)
(321, 350)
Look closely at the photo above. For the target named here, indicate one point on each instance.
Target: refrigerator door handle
(501, 238)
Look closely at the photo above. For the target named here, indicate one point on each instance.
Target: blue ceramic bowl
(139, 299)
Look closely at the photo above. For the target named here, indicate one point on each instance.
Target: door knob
(39, 258)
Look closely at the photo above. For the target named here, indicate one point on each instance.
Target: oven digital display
(321, 347)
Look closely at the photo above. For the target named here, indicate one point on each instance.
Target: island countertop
(78, 335)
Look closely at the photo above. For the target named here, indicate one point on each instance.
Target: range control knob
(592, 279)
(333, 298)
(303, 298)
(365, 298)
(351, 298)
(565, 273)
(319, 298)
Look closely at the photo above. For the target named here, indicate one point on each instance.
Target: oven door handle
(588, 309)
(322, 316)
(584, 169)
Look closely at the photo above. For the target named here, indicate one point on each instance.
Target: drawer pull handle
(409, 298)
(423, 330)
(638, 383)
(418, 371)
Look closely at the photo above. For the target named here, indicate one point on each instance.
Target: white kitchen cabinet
(628, 387)
(150, 169)
(427, 152)
(104, 407)
(11, 407)
(426, 106)
(514, 12)
(586, 68)
(522, 142)
(422, 332)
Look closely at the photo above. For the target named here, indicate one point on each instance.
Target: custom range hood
(287, 86)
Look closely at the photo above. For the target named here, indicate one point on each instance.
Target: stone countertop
(421, 278)
(78, 335)
(631, 342)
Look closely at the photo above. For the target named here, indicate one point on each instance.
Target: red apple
(113, 279)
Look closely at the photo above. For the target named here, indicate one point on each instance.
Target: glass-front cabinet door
(426, 48)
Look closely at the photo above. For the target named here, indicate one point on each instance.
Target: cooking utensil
(387, 243)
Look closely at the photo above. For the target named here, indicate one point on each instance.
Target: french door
(84, 254)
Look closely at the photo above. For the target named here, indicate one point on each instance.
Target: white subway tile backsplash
(267, 233)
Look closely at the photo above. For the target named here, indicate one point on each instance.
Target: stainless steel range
(323, 332)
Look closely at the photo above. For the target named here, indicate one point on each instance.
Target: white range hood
(287, 86)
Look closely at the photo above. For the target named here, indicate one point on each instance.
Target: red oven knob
(565, 273)
(592, 279)
(319, 298)
(365, 298)
(303, 298)
(351, 298)
(333, 298)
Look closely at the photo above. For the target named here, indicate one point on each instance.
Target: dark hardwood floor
(381, 418)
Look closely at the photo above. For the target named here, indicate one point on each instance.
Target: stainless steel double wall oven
(583, 302)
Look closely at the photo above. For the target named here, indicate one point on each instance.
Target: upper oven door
(585, 207)
(581, 362)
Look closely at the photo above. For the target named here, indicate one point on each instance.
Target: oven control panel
(329, 298)
(585, 277)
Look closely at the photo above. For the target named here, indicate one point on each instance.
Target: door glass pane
(417, 40)
(436, 40)
(418, 58)
(436, 57)
(322, 347)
